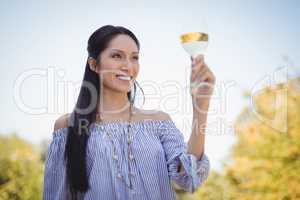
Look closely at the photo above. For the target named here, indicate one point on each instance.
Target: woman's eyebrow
(135, 52)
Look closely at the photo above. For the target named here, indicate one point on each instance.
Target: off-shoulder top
(158, 147)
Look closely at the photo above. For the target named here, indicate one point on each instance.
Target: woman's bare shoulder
(152, 114)
(61, 122)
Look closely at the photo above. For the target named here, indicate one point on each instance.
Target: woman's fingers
(195, 61)
(199, 73)
(206, 76)
(198, 65)
(203, 75)
(202, 78)
(202, 70)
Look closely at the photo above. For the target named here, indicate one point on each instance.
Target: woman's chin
(124, 88)
(122, 85)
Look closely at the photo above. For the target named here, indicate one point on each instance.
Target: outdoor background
(253, 131)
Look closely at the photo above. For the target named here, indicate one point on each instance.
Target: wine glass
(194, 43)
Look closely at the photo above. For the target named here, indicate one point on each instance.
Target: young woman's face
(119, 58)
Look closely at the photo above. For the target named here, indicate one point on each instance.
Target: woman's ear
(92, 64)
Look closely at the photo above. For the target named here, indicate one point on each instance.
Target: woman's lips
(123, 77)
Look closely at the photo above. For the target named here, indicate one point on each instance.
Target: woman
(109, 149)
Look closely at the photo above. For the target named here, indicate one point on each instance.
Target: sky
(43, 55)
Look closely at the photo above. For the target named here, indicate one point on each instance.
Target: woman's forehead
(123, 43)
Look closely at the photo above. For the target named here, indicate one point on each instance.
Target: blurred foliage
(265, 161)
(21, 170)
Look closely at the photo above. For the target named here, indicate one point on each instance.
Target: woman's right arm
(55, 180)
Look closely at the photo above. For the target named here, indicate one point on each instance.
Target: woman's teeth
(126, 78)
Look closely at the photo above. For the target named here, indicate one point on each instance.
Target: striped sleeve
(55, 187)
(195, 171)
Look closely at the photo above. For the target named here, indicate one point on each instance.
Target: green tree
(21, 169)
(266, 156)
(265, 161)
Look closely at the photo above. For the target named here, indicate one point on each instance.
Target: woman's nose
(127, 64)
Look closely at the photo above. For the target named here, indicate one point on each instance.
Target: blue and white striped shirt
(158, 147)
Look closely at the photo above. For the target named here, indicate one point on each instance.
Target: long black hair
(86, 110)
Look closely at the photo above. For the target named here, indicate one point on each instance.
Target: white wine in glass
(194, 43)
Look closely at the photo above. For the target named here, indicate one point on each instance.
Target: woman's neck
(113, 103)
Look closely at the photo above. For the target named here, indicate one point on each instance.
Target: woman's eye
(136, 57)
(116, 56)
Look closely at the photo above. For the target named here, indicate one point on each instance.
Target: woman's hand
(202, 82)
